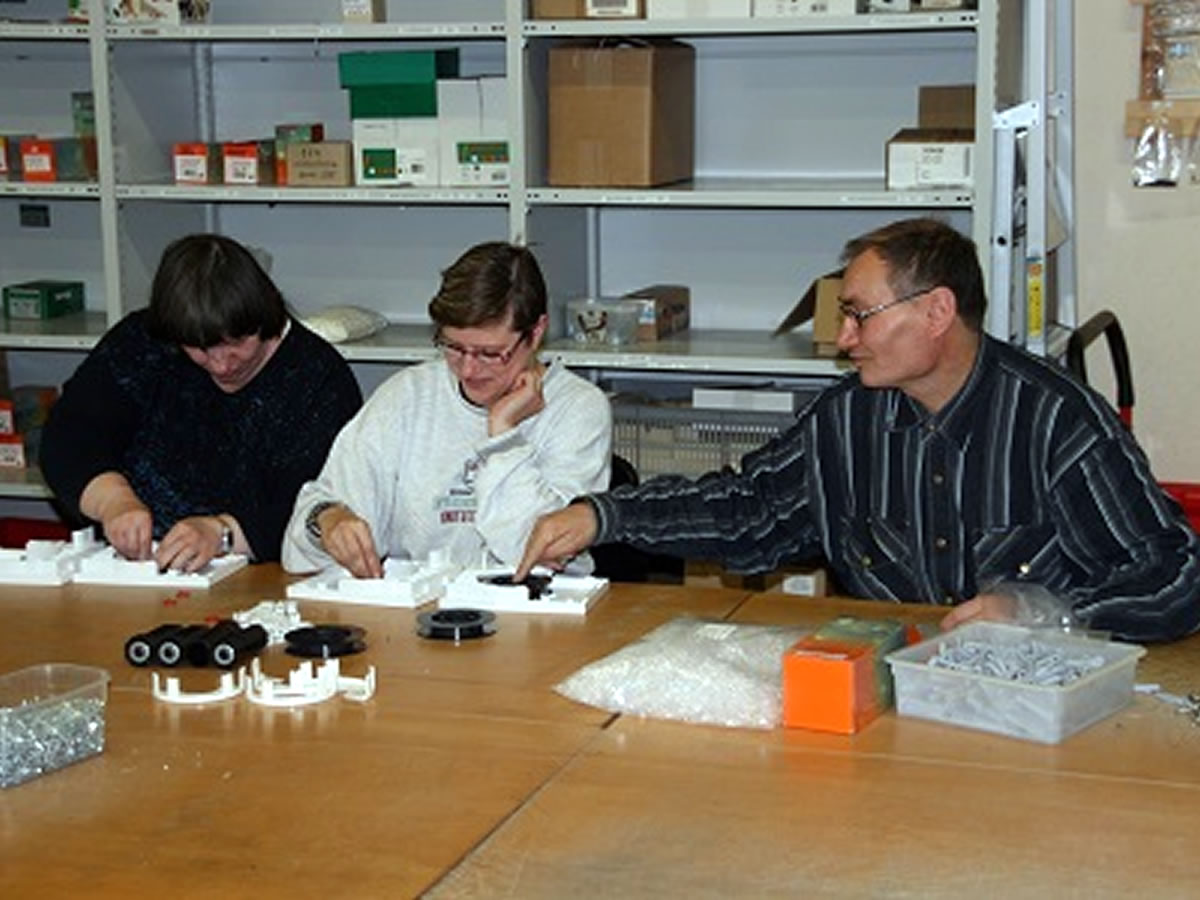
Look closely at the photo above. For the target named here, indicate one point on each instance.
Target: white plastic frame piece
(109, 567)
(231, 685)
(47, 562)
(277, 617)
(405, 583)
(569, 595)
(305, 686)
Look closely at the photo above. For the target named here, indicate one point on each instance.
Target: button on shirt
(1025, 475)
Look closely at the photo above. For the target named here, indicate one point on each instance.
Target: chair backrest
(1104, 323)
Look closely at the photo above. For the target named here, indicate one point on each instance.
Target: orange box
(196, 162)
(249, 162)
(7, 421)
(12, 451)
(38, 160)
(829, 685)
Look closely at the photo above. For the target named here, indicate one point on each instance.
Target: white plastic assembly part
(277, 617)
(47, 562)
(569, 595)
(231, 685)
(109, 567)
(405, 583)
(305, 686)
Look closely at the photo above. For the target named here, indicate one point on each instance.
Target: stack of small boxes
(837, 679)
(21, 421)
(45, 159)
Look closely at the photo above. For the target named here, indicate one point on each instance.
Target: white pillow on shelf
(345, 323)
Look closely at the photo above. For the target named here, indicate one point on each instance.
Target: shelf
(395, 344)
(861, 193)
(49, 31)
(929, 21)
(310, 32)
(75, 332)
(23, 484)
(701, 350)
(80, 190)
(222, 193)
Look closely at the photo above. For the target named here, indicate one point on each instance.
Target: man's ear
(942, 309)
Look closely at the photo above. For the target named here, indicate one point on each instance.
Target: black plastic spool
(456, 624)
(325, 641)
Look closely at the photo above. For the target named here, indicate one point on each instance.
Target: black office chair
(621, 562)
(1104, 323)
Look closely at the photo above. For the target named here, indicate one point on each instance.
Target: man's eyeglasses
(456, 353)
(848, 311)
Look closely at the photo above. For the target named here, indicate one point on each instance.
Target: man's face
(233, 363)
(486, 359)
(893, 347)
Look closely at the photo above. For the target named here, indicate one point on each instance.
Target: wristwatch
(226, 538)
(312, 523)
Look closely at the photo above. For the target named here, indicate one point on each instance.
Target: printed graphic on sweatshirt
(457, 506)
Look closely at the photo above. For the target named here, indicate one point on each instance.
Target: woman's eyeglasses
(485, 356)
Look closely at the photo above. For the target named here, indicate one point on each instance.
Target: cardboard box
(83, 113)
(930, 158)
(288, 134)
(698, 9)
(364, 11)
(820, 305)
(75, 159)
(79, 10)
(946, 106)
(396, 151)
(11, 168)
(12, 451)
(663, 309)
(7, 422)
(889, 6)
(43, 299)
(586, 9)
(375, 151)
(785, 9)
(160, 12)
(608, 320)
(323, 164)
(196, 162)
(248, 162)
(473, 131)
(38, 161)
(622, 116)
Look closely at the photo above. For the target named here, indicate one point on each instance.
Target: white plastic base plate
(109, 567)
(568, 595)
(405, 583)
(47, 562)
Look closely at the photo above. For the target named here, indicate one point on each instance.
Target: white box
(417, 151)
(364, 11)
(160, 12)
(603, 9)
(473, 131)
(787, 8)
(930, 163)
(744, 399)
(374, 140)
(889, 6)
(1015, 708)
(697, 9)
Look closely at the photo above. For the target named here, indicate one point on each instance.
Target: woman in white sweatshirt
(463, 453)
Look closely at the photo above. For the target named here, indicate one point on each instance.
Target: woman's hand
(191, 544)
(347, 538)
(127, 523)
(524, 399)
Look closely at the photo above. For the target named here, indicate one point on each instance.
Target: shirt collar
(955, 419)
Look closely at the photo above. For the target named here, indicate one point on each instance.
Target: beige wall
(1138, 248)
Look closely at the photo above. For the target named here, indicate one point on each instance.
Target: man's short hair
(926, 253)
(487, 284)
(209, 289)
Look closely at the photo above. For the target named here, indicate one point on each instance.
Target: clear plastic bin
(1014, 708)
(51, 715)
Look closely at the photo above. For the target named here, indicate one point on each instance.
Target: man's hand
(347, 538)
(984, 608)
(557, 537)
(190, 545)
(523, 400)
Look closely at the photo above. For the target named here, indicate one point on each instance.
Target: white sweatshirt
(417, 464)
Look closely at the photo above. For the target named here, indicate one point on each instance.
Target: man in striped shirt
(951, 468)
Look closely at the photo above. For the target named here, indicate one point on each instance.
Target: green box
(882, 636)
(43, 299)
(379, 163)
(83, 113)
(391, 67)
(394, 101)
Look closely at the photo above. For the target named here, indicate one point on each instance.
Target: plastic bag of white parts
(691, 670)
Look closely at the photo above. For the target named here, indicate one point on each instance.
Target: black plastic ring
(325, 641)
(456, 624)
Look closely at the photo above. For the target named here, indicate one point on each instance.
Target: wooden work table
(466, 775)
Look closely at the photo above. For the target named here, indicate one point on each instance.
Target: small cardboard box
(698, 9)
(160, 12)
(776, 9)
(288, 134)
(83, 113)
(12, 451)
(196, 162)
(75, 159)
(663, 309)
(323, 164)
(7, 421)
(43, 299)
(930, 158)
(364, 11)
(248, 162)
(829, 686)
(609, 320)
(622, 116)
(11, 168)
(820, 305)
(38, 160)
(585, 9)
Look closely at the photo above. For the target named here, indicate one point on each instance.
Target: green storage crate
(43, 299)
(392, 67)
(394, 101)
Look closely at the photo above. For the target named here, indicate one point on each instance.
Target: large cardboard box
(946, 106)
(622, 116)
(820, 305)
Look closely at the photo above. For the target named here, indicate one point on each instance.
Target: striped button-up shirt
(1024, 476)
